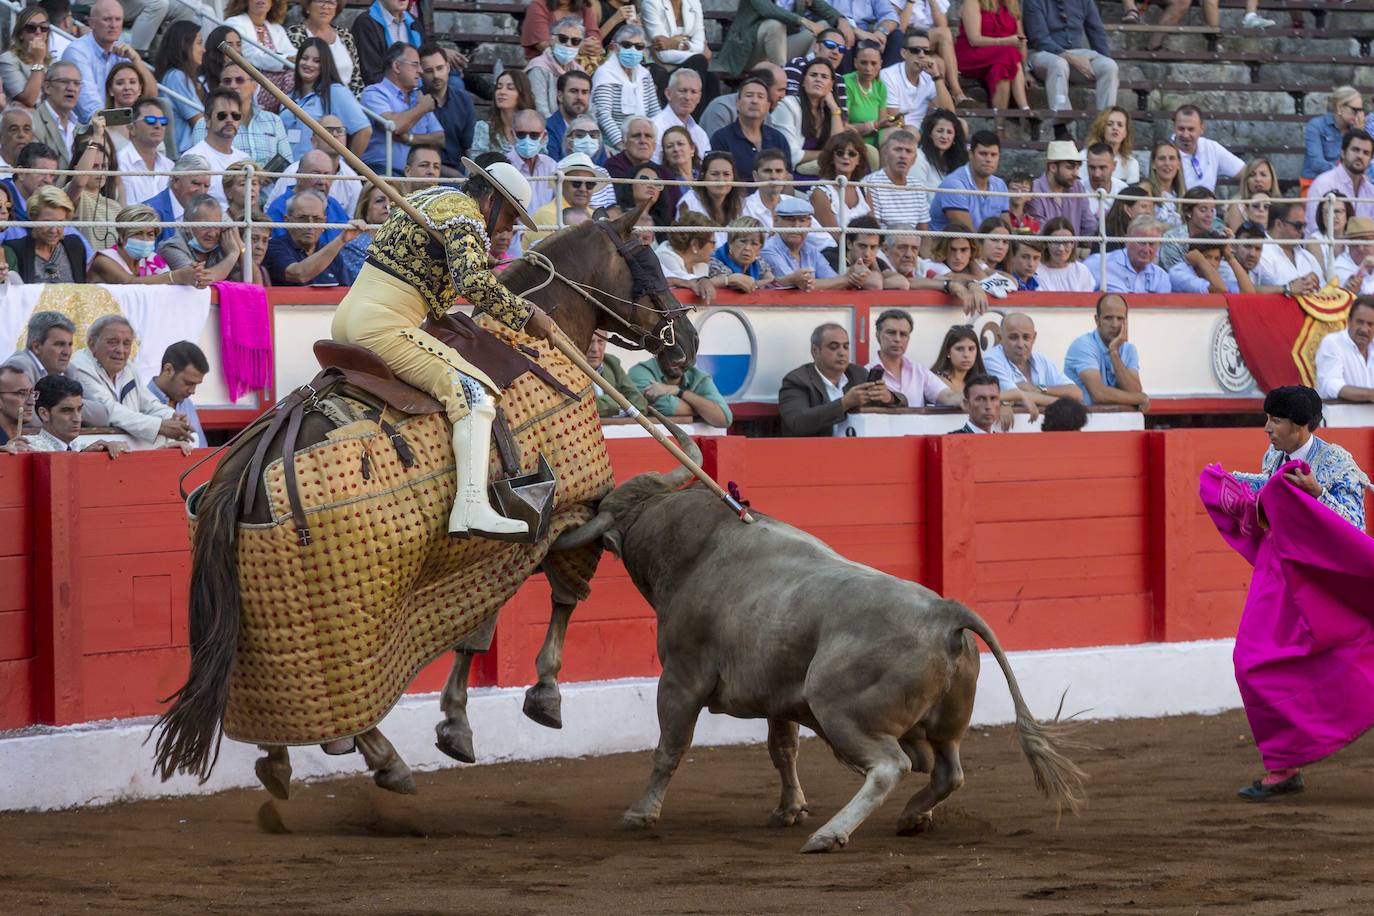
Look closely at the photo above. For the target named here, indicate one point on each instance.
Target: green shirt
(865, 106)
(693, 380)
(615, 377)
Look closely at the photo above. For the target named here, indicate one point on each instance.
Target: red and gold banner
(1278, 336)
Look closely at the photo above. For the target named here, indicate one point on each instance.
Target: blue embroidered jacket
(1342, 481)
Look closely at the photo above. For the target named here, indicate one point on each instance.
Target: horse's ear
(625, 224)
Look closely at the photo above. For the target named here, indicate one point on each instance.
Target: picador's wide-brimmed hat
(510, 184)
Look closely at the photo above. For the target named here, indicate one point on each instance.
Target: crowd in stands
(847, 114)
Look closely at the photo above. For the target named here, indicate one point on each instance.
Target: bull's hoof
(920, 823)
(545, 706)
(637, 820)
(275, 776)
(824, 842)
(454, 738)
(396, 777)
(789, 817)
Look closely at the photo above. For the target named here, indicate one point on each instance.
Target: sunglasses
(636, 45)
(233, 80)
(155, 119)
(1295, 225)
(583, 134)
(223, 115)
(528, 134)
(568, 40)
(918, 50)
(833, 45)
(35, 28)
(580, 185)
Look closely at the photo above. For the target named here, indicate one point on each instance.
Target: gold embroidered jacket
(457, 268)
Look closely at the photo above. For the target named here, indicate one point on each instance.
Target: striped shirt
(895, 205)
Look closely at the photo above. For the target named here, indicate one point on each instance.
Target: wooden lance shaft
(560, 340)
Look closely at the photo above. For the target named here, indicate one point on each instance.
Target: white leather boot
(472, 513)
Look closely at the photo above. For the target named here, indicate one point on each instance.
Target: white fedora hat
(584, 162)
(1061, 151)
(510, 184)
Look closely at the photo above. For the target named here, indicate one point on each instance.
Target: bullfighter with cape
(1304, 653)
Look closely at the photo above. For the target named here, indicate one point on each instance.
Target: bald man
(1026, 376)
(315, 172)
(97, 52)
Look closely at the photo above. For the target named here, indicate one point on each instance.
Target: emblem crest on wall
(1227, 364)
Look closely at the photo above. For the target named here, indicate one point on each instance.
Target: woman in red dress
(992, 48)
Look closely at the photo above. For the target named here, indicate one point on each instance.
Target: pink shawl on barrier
(1304, 652)
(245, 327)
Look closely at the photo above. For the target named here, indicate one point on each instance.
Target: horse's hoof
(637, 820)
(340, 747)
(274, 776)
(789, 817)
(823, 842)
(544, 707)
(455, 741)
(920, 823)
(396, 777)
(269, 819)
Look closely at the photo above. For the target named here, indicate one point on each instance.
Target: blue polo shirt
(1123, 278)
(342, 105)
(333, 213)
(282, 253)
(1043, 372)
(731, 138)
(1183, 279)
(781, 262)
(1089, 352)
(379, 98)
(953, 195)
(457, 117)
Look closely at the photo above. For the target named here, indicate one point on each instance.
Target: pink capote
(1304, 652)
(245, 327)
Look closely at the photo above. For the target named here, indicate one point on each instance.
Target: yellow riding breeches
(384, 314)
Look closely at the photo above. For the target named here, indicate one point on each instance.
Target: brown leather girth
(502, 364)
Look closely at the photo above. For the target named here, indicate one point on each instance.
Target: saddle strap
(398, 442)
(293, 496)
(506, 446)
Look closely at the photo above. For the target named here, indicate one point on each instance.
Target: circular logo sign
(1227, 364)
(727, 350)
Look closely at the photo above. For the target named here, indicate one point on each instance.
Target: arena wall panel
(17, 623)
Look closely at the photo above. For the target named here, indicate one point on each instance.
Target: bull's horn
(584, 534)
(679, 476)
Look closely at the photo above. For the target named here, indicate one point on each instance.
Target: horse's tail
(190, 730)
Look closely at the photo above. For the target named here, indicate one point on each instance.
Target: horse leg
(274, 770)
(389, 770)
(543, 701)
(454, 734)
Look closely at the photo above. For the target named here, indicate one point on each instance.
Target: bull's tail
(190, 730)
(1056, 776)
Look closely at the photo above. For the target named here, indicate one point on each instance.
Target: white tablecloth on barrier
(1346, 415)
(626, 428)
(921, 423)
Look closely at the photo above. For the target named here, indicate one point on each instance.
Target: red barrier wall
(1059, 539)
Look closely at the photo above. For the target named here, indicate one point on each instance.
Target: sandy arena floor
(1164, 833)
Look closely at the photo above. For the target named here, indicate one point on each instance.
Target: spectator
(744, 137)
(991, 49)
(219, 147)
(265, 42)
(913, 382)
(16, 132)
(261, 237)
(738, 261)
(1244, 257)
(55, 120)
(188, 180)
(953, 256)
(870, 21)
(47, 345)
(681, 158)
(994, 251)
(1113, 127)
(536, 36)
(452, 107)
(1345, 365)
(242, 198)
(582, 178)
(373, 209)
(398, 99)
(808, 118)
(1346, 178)
(1131, 203)
(622, 87)
(177, 66)
(1166, 180)
(98, 197)
(1323, 137)
(125, 85)
(831, 46)
(1064, 416)
(1103, 363)
(529, 158)
(59, 404)
(28, 49)
(1134, 268)
(982, 401)
(887, 194)
(1101, 168)
(1203, 159)
(647, 190)
(913, 88)
(300, 257)
(677, 41)
(866, 270)
(1256, 181)
(216, 250)
(497, 133)
(1017, 219)
(769, 166)
(1062, 162)
(1061, 271)
(213, 61)
(684, 96)
(845, 154)
(817, 398)
(144, 153)
(183, 369)
(942, 150)
(723, 109)
(675, 389)
(1199, 214)
(613, 376)
(931, 17)
(1203, 269)
(684, 257)
(17, 395)
(95, 54)
(314, 167)
(1026, 376)
(560, 57)
(765, 30)
(423, 170)
(48, 254)
(1335, 212)
(104, 371)
(1026, 253)
(955, 209)
(574, 98)
(60, 15)
(904, 254)
(1354, 269)
(867, 111)
(1292, 266)
(960, 359)
(1069, 44)
(795, 258)
(714, 197)
(319, 90)
(386, 23)
(345, 191)
(133, 259)
(319, 16)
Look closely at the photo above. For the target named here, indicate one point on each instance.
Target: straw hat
(1061, 151)
(1360, 227)
(510, 184)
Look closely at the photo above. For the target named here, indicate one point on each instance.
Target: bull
(764, 621)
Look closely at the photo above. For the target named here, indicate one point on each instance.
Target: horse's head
(650, 317)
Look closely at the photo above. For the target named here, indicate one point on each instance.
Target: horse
(594, 276)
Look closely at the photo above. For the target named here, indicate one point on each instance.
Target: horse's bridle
(648, 281)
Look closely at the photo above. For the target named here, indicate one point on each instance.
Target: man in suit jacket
(816, 399)
(170, 202)
(983, 403)
(55, 121)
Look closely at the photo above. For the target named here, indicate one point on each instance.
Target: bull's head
(618, 510)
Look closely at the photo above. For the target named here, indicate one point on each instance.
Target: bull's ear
(612, 540)
(625, 223)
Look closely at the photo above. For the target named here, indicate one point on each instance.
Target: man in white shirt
(16, 132)
(59, 408)
(1354, 267)
(1203, 159)
(1101, 170)
(910, 85)
(144, 152)
(1023, 373)
(345, 192)
(1291, 267)
(684, 92)
(1345, 363)
(223, 116)
(771, 166)
(114, 395)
